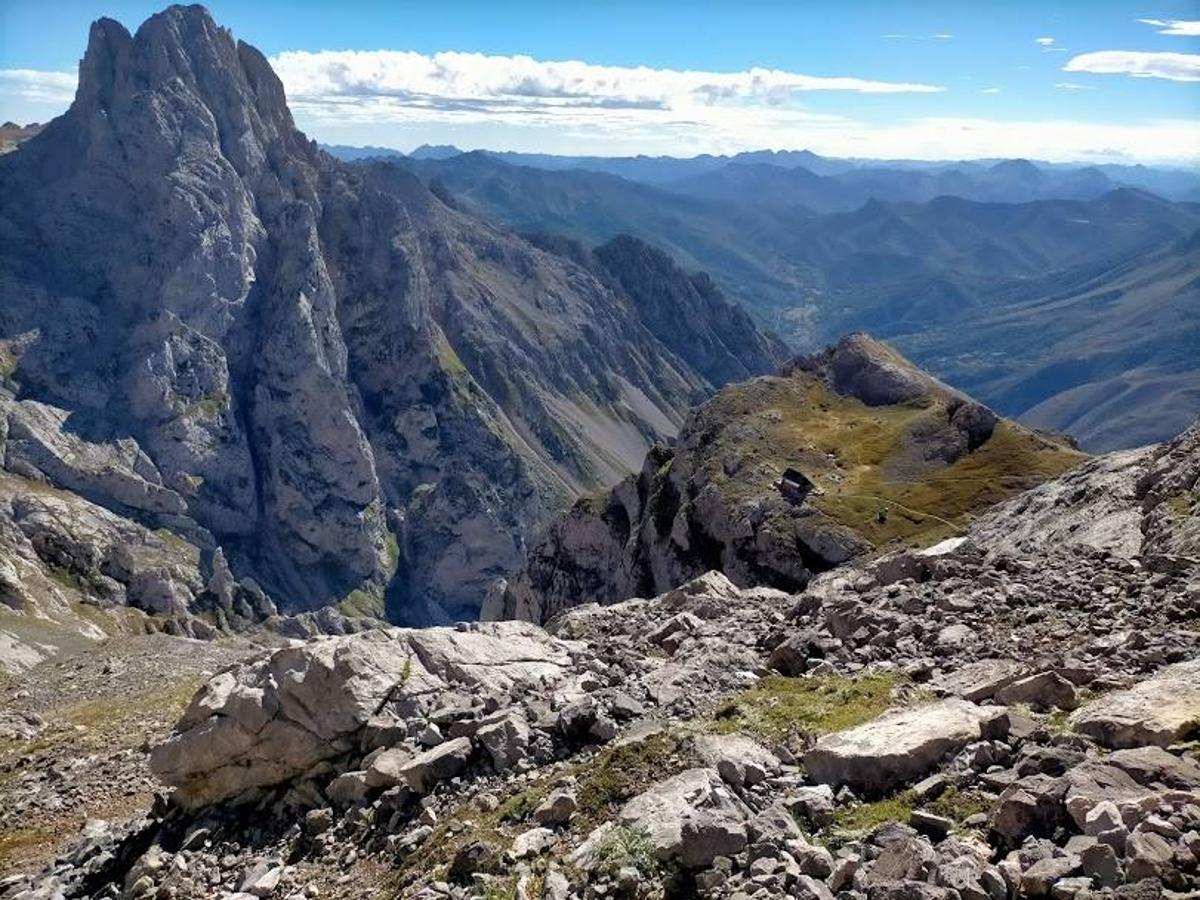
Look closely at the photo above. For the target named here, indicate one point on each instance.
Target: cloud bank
(455, 81)
(401, 99)
(38, 86)
(1139, 64)
(1180, 27)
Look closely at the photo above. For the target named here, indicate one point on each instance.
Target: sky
(1095, 81)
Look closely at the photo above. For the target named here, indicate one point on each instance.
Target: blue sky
(1061, 80)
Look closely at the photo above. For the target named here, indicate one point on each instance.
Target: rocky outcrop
(1170, 493)
(885, 451)
(1159, 711)
(351, 388)
(296, 713)
(1134, 503)
(690, 818)
(1097, 505)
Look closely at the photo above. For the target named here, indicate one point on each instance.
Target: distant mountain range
(1001, 180)
(899, 269)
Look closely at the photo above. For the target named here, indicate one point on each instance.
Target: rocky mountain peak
(194, 78)
(860, 366)
(324, 373)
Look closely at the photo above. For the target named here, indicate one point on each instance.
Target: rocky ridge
(973, 720)
(884, 454)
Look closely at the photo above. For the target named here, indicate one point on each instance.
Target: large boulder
(690, 818)
(1159, 711)
(901, 745)
(297, 711)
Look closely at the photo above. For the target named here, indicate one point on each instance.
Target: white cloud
(38, 86)
(1044, 41)
(1180, 27)
(622, 111)
(1139, 64)
(991, 90)
(397, 83)
(1072, 86)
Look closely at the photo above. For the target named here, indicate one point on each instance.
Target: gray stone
(1159, 711)
(900, 745)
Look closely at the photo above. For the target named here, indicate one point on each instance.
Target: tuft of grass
(777, 706)
(617, 774)
(521, 805)
(624, 846)
(959, 805)
(502, 889)
(856, 821)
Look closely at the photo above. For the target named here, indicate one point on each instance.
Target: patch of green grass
(66, 579)
(359, 604)
(521, 805)
(208, 407)
(449, 360)
(856, 821)
(191, 551)
(777, 706)
(392, 546)
(503, 889)
(1180, 505)
(959, 805)
(15, 840)
(119, 720)
(619, 773)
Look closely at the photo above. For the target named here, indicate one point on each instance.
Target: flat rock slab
(901, 745)
(1159, 711)
(979, 680)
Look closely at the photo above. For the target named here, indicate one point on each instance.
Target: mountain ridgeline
(928, 258)
(780, 478)
(321, 376)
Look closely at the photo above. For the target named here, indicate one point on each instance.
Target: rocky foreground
(997, 716)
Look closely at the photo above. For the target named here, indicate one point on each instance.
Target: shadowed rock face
(343, 382)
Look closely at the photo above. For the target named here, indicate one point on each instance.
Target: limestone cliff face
(324, 370)
(892, 457)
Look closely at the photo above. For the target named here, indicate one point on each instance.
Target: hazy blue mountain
(357, 154)
(435, 151)
(897, 269)
(1105, 352)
